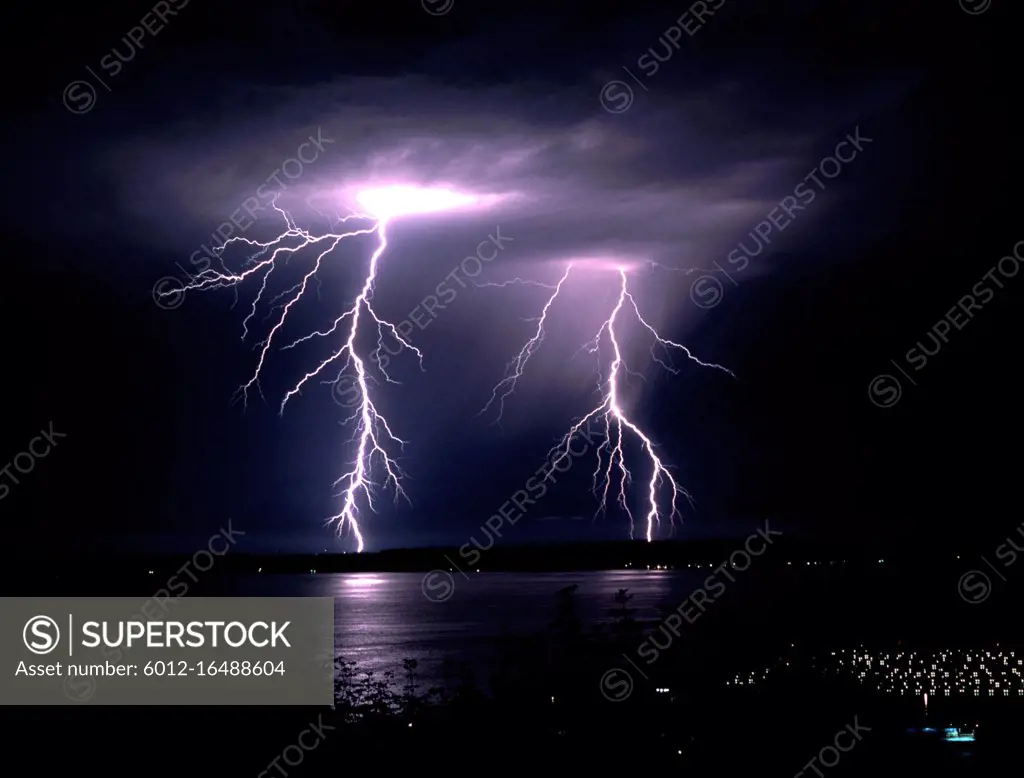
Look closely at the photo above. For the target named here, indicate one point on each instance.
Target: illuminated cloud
(387, 202)
(655, 187)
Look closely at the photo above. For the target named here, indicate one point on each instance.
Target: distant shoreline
(912, 554)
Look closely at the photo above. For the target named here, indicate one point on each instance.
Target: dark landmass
(926, 553)
(840, 594)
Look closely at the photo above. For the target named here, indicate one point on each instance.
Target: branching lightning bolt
(610, 410)
(372, 434)
(514, 369)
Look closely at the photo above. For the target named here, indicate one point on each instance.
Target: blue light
(953, 735)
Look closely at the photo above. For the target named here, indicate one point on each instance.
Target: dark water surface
(383, 618)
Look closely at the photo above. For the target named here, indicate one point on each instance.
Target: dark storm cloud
(669, 183)
(506, 100)
(678, 180)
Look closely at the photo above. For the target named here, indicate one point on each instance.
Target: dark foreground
(773, 734)
(566, 698)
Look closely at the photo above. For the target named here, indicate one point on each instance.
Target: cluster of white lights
(710, 566)
(937, 673)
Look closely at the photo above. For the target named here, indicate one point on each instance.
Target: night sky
(502, 97)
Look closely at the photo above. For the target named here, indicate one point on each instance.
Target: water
(384, 618)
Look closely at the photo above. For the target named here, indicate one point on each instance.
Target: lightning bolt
(372, 435)
(514, 369)
(609, 411)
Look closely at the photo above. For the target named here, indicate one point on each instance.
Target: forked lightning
(373, 437)
(610, 410)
